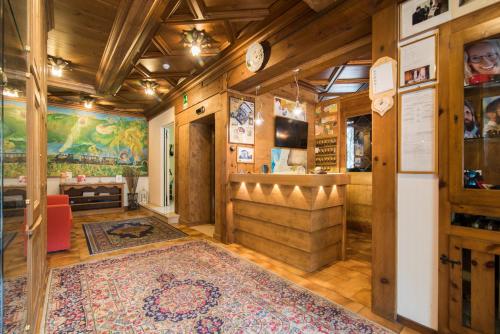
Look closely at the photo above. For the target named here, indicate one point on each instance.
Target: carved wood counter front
(297, 219)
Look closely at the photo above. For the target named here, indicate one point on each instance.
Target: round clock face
(255, 57)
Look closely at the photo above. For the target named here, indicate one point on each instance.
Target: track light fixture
(196, 40)
(58, 65)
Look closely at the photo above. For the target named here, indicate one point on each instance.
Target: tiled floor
(346, 283)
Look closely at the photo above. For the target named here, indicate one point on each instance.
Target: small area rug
(193, 287)
(109, 236)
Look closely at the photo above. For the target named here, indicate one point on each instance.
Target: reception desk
(297, 219)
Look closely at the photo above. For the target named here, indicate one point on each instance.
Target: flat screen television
(290, 133)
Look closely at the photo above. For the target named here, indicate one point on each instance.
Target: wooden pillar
(384, 43)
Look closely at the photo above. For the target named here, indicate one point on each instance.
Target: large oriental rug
(109, 236)
(194, 287)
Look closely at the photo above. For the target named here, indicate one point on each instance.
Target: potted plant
(131, 174)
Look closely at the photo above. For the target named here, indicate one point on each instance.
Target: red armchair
(59, 223)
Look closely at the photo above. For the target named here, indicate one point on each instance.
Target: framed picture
(417, 61)
(284, 108)
(462, 7)
(482, 61)
(241, 121)
(245, 155)
(418, 131)
(416, 16)
(491, 116)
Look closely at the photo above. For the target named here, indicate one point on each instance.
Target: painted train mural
(83, 142)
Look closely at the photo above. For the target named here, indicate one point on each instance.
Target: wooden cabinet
(93, 196)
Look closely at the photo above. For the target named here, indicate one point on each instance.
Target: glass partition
(13, 157)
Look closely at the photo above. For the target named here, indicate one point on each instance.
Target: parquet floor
(347, 283)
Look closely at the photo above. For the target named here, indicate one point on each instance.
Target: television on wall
(290, 133)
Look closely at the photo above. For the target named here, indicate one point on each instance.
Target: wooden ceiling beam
(71, 85)
(143, 71)
(318, 82)
(231, 33)
(326, 94)
(360, 62)
(197, 8)
(222, 15)
(172, 7)
(180, 53)
(161, 75)
(133, 28)
(160, 43)
(351, 81)
(319, 5)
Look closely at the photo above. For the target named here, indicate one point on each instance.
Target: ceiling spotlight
(88, 102)
(196, 40)
(149, 87)
(166, 66)
(58, 65)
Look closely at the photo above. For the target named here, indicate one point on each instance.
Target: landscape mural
(81, 142)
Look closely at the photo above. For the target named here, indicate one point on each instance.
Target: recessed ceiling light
(166, 66)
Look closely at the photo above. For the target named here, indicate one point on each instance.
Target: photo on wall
(82, 142)
(491, 117)
(417, 61)
(241, 121)
(463, 7)
(288, 161)
(419, 15)
(285, 108)
(245, 155)
(482, 62)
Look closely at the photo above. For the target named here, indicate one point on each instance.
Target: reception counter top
(297, 219)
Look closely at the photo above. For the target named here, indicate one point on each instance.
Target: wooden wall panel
(182, 172)
(385, 36)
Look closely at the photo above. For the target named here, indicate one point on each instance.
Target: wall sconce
(259, 120)
(196, 40)
(58, 65)
(149, 87)
(88, 102)
(297, 111)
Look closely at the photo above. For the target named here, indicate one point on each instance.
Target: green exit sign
(185, 100)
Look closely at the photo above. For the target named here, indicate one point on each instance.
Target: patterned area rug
(15, 299)
(109, 236)
(194, 287)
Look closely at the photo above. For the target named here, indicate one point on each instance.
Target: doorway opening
(202, 173)
(168, 165)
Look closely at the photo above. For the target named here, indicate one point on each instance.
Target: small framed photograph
(417, 61)
(491, 117)
(420, 15)
(245, 155)
(463, 7)
(482, 62)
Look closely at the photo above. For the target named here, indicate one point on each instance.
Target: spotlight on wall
(149, 87)
(88, 102)
(58, 65)
(196, 40)
(297, 111)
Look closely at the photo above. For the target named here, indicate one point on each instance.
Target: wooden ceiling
(114, 45)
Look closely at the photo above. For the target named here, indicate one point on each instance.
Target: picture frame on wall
(418, 61)
(418, 131)
(245, 155)
(241, 121)
(419, 15)
(463, 7)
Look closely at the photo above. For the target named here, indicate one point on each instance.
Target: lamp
(88, 102)
(58, 65)
(149, 87)
(297, 110)
(259, 120)
(196, 40)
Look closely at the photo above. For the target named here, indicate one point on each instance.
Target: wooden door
(474, 288)
(36, 160)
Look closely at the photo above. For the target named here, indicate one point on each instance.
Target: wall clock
(255, 57)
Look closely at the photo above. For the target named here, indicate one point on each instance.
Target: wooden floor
(346, 283)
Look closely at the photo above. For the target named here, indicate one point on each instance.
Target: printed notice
(418, 132)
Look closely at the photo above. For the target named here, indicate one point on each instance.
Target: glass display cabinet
(474, 179)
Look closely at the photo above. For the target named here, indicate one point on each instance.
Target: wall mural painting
(81, 142)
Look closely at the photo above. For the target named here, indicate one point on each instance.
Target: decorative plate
(255, 57)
